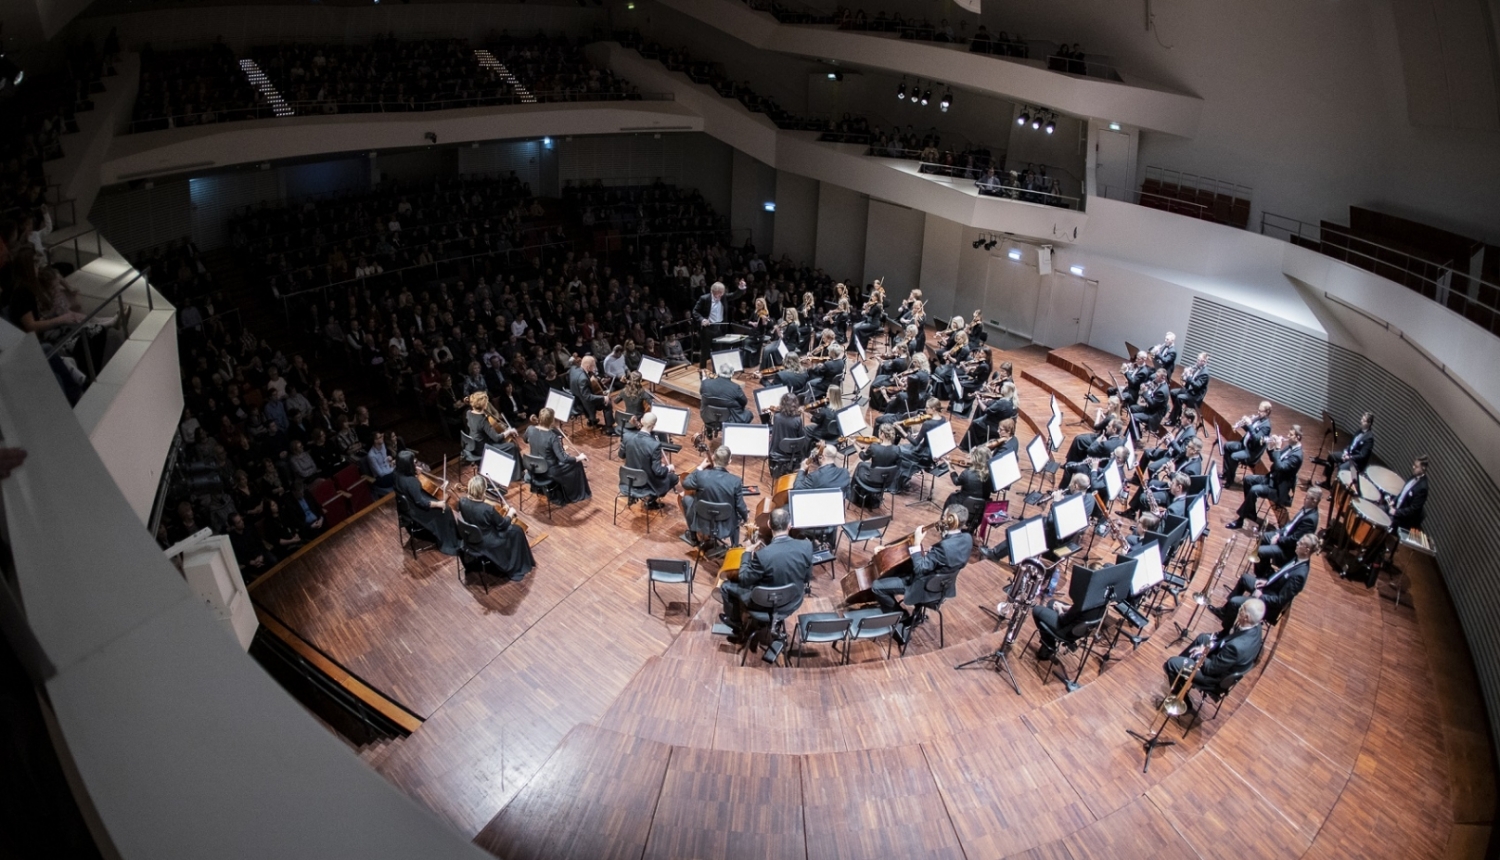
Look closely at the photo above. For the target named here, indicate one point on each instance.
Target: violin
(917, 419)
(501, 508)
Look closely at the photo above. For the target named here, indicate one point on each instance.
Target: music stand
(671, 420)
(497, 468)
(1088, 396)
(1041, 464)
(730, 357)
(652, 369)
(769, 396)
(1004, 471)
(1097, 589)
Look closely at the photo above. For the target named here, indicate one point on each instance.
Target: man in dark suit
(1233, 653)
(711, 483)
(1356, 453)
(1247, 451)
(1193, 389)
(723, 392)
(948, 556)
(1151, 406)
(1164, 354)
(712, 314)
(784, 561)
(1406, 509)
(580, 385)
(1279, 545)
(642, 450)
(1277, 591)
(1280, 484)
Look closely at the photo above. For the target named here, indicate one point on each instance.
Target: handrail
(1213, 184)
(1135, 195)
(319, 108)
(117, 296)
(1086, 68)
(968, 172)
(73, 240)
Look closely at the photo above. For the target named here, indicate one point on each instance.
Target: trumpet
(1244, 422)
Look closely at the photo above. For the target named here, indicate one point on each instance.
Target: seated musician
(1158, 490)
(786, 424)
(1103, 447)
(1173, 447)
(633, 397)
(949, 555)
(1233, 653)
(823, 422)
(427, 513)
(945, 376)
(920, 450)
(907, 398)
(821, 471)
(977, 333)
(502, 542)
(1108, 421)
(973, 488)
(1278, 545)
(1355, 455)
(873, 322)
(1078, 485)
(588, 392)
(991, 412)
(1407, 507)
(1164, 354)
(1005, 441)
(784, 561)
(1279, 484)
(830, 371)
(711, 482)
(1247, 451)
(482, 431)
(642, 450)
(1194, 388)
(1277, 590)
(878, 455)
(566, 471)
(1136, 374)
(718, 389)
(898, 362)
(791, 375)
(1151, 406)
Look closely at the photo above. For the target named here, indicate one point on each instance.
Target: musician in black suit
(1158, 490)
(1079, 485)
(642, 450)
(1193, 389)
(949, 555)
(784, 561)
(1281, 544)
(1098, 444)
(712, 314)
(1407, 507)
(1136, 374)
(581, 381)
(1164, 354)
(710, 482)
(1277, 591)
(722, 391)
(878, 455)
(1247, 451)
(1102, 448)
(1280, 484)
(1151, 406)
(501, 541)
(1233, 653)
(1356, 454)
(427, 512)
(1174, 445)
(821, 471)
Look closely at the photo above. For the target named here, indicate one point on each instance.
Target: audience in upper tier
(193, 86)
(702, 71)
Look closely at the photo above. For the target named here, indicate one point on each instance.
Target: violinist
(1173, 445)
(973, 488)
(977, 334)
(488, 428)
(917, 384)
(642, 450)
(719, 390)
(838, 319)
(1005, 441)
(712, 482)
(889, 370)
(791, 375)
(588, 394)
(789, 332)
(634, 399)
(427, 512)
(915, 316)
(945, 376)
(831, 370)
(786, 424)
(565, 470)
(877, 456)
(784, 561)
(991, 412)
(976, 371)
(501, 541)
(823, 421)
(809, 314)
(873, 322)
(948, 556)
(753, 352)
(920, 452)
(1194, 388)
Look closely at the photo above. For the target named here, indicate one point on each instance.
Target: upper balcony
(1129, 101)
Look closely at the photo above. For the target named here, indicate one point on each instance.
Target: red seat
(334, 503)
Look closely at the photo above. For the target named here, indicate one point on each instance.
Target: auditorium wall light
(769, 205)
(947, 101)
(1024, 118)
(1077, 270)
(1014, 254)
(901, 91)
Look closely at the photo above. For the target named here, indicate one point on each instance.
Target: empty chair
(713, 420)
(871, 624)
(879, 481)
(670, 571)
(334, 503)
(819, 628)
(864, 531)
(789, 454)
(926, 595)
(355, 487)
(466, 449)
(471, 557)
(537, 478)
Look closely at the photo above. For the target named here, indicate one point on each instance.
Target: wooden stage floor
(563, 720)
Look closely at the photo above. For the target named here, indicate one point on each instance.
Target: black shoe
(1234, 523)
(1045, 654)
(654, 505)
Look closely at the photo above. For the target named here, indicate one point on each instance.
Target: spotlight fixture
(901, 91)
(916, 92)
(1024, 118)
(1036, 122)
(979, 241)
(990, 245)
(835, 76)
(926, 96)
(1051, 125)
(947, 101)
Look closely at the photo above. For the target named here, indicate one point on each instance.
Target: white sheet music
(652, 368)
(1113, 482)
(730, 357)
(816, 509)
(1004, 471)
(1027, 539)
(748, 440)
(861, 377)
(940, 440)
(1070, 516)
(560, 402)
(769, 396)
(670, 419)
(1056, 410)
(852, 420)
(779, 348)
(1055, 432)
(1036, 452)
(497, 467)
(1130, 454)
(1215, 487)
(1148, 570)
(1197, 517)
(860, 348)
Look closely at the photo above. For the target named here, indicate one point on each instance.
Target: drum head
(1348, 477)
(1368, 489)
(1372, 513)
(1385, 479)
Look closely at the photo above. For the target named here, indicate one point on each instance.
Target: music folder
(1036, 452)
(860, 348)
(1197, 516)
(1056, 410)
(1215, 486)
(652, 368)
(940, 440)
(670, 420)
(1130, 453)
(1148, 570)
(861, 377)
(1027, 539)
(852, 420)
(816, 509)
(1004, 471)
(1113, 483)
(1069, 517)
(748, 440)
(768, 397)
(497, 467)
(1055, 432)
(561, 403)
(730, 357)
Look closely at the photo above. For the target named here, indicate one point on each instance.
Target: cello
(889, 560)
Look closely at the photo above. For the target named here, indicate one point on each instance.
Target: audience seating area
(194, 86)
(1196, 197)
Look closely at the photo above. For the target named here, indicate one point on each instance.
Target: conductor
(711, 313)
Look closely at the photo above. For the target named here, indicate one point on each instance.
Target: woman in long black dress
(786, 424)
(502, 541)
(973, 489)
(562, 467)
(427, 512)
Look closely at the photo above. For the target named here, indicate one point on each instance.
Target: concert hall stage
(558, 718)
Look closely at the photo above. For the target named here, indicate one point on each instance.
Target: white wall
(941, 264)
(893, 244)
(842, 220)
(796, 219)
